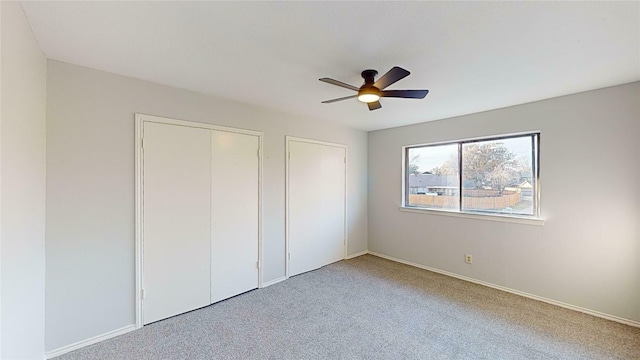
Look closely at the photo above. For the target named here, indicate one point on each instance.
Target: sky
(436, 155)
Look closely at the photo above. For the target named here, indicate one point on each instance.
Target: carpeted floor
(371, 308)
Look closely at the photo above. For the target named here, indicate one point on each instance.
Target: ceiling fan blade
(396, 73)
(407, 94)
(339, 83)
(339, 99)
(374, 105)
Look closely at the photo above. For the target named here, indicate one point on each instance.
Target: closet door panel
(234, 214)
(333, 189)
(316, 200)
(176, 220)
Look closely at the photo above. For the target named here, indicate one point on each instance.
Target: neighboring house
(431, 184)
(526, 187)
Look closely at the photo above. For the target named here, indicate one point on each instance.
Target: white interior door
(316, 199)
(234, 214)
(176, 218)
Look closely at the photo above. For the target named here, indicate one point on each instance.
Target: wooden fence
(507, 199)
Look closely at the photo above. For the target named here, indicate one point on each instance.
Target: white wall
(90, 189)
(23, 83)
(588, 252)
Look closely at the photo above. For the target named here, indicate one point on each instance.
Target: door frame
(140, 119)
(288, 140)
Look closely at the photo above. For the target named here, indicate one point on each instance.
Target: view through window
(495, 175)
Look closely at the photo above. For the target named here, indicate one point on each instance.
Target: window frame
(488, 215)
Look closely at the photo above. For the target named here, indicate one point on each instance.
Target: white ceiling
(472, 56)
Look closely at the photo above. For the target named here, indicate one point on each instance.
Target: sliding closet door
(176, 218)
(234, 214)
(316, 200)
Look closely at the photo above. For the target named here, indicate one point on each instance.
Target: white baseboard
(357, 254)
(273, 282)
(513, 291)
(90, 341)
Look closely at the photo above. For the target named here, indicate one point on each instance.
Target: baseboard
(513, 291)
(273, 282)
(357, 254)
(90, 341)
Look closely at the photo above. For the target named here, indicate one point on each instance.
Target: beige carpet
(371, 308)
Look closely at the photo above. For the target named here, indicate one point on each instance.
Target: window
(489, 176)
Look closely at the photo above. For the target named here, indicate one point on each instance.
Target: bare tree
(449, 167)
(489, 164)
(413, 165)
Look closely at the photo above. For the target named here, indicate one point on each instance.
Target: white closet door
(316, 190)
(177, 222)
(234, 214)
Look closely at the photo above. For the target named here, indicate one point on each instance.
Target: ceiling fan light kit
(371, 91)
(369, 95)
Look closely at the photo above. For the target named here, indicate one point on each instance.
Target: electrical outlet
(468, 258)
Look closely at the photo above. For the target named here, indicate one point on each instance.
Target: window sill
(486, 217)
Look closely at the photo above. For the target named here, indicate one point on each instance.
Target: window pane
(432, 177)
(498, 176)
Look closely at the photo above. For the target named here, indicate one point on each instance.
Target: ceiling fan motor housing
(369, 76)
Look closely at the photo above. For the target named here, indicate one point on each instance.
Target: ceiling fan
(370, 92)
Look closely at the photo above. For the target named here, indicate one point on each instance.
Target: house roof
(472, 56)
(431, 180)
(525, 185)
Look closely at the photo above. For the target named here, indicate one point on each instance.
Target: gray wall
(22, 167)
(588, 252)
(90, 189)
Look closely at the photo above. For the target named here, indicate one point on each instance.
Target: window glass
(433, 177)
(497, 176)
(493, 176)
